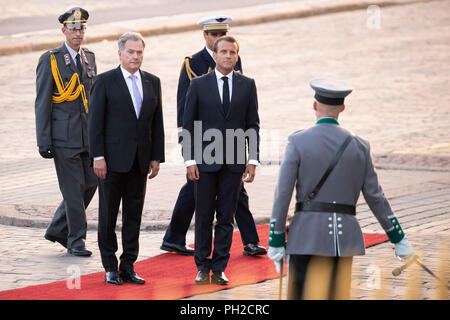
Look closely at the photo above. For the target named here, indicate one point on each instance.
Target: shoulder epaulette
(191, 74)
(48, 51)
(56, 50)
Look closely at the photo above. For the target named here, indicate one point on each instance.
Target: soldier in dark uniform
(194, 66)
(329, 167)
(64, 77)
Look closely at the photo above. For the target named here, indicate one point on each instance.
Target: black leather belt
(325, 207)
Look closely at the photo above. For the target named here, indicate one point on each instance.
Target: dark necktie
(79, 65)
(225, 95)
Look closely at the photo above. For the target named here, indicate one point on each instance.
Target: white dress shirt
(129, 83)
(219, 76)
(220, 83)
(210, 52)
(73, 53)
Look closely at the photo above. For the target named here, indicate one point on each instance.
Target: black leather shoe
(51, 238)
(219, 278)
(178, 249)
(202, 277)
(253, 249)
(113, 277)
(80, 252)
(130, 276)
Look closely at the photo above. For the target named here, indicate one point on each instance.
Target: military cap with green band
(330, 91)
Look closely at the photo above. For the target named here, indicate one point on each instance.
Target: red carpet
(169, 276)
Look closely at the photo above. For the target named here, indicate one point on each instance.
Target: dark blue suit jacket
(199, 64)
(203, 104)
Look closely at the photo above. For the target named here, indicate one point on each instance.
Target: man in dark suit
(224, 104)
(194, 66)
(126, 137)
(64, 77)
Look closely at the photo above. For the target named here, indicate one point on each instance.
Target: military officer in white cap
(195, 66)
(328, 166)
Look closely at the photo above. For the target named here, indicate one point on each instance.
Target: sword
(281, 279)
(397, 271)
(431, 272)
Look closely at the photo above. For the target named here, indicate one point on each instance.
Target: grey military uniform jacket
(62, 124)
(308, 154)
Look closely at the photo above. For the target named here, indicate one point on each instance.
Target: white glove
(403, 249)
(277, 254)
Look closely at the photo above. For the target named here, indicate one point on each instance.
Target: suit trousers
(184, 210)
(215, 192)
(129, 188)
(319, 278)
(77, 182)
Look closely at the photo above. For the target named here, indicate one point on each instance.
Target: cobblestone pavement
(425, 217)
(371, 275)
(29, 259)
(400, 104)
(408, 55)
(32, 15)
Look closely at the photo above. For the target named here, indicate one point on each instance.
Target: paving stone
(401, 79)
